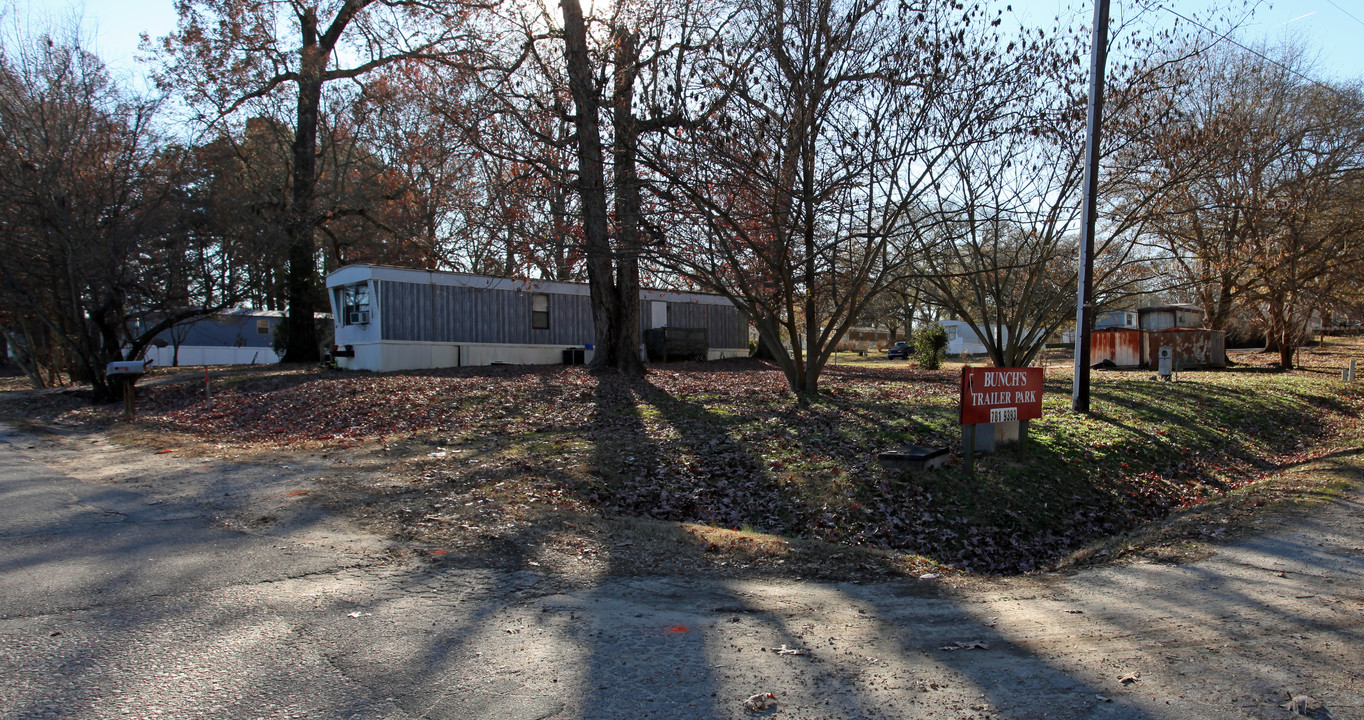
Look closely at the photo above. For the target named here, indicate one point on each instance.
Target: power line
(1256, 53)
(1347, 12)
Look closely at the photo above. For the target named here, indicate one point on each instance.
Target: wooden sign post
(996, 395)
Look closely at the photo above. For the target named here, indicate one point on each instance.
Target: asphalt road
(171, 588)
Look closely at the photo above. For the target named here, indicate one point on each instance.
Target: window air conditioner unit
(358, 317)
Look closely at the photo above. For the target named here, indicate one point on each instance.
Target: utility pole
(1084, 306)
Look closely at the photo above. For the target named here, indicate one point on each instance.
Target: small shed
(1190, 347)
(390, 318)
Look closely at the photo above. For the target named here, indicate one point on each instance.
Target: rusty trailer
(1190, 347)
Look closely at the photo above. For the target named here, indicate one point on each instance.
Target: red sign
(1000, 394)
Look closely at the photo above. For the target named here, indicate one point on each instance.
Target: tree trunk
(592, 189)
(627, 206)
(1285, 356)
(301, 275)
(27, 360)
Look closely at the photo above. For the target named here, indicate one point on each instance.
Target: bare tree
(602, 77)
(811, 191)
(1261, 220)
(1007, 266)
(93, 235)
(225, 56)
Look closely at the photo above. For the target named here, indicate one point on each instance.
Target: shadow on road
(114, 605)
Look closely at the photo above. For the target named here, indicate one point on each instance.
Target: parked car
(898, 350)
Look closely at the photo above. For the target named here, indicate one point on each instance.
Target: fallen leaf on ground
(1129, 679)
(968, 645)
(1299, 704)
(760, 702)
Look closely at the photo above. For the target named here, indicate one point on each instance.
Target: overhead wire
(1252, 51)
(1347, 12)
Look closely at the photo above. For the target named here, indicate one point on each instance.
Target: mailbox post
(125, 373)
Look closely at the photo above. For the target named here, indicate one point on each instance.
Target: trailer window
(355, 304)
(262, 327)
(539, 311)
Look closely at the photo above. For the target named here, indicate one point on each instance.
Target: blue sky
(1334, 27)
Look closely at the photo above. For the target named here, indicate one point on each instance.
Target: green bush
(930, 346)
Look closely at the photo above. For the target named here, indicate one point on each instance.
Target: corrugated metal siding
(1157, 321)
(733, 327)
(1189, 347)
(223, 331)
(442, 313)
(1164, 318)
(725, 325)
(1188, 319)
(1123, 347)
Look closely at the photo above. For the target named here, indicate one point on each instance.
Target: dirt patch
(529, 527)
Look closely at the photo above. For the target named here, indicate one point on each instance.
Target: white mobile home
(390, 318)
(962, 339)
(240, 336)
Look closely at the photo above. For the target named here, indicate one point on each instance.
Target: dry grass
(716, 467)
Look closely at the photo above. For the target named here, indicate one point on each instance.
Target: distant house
(390, 318)
(862, 339)
(232, 337)
(962, 339)
(1120, 319)
(1163, 317)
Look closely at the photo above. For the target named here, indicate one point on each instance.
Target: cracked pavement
(135, 585)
